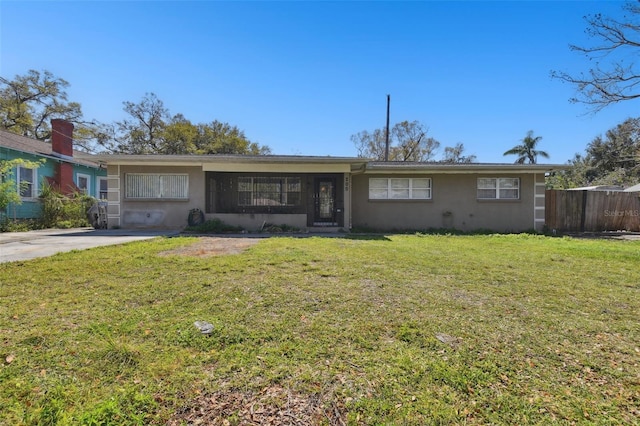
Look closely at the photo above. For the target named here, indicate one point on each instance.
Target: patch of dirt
(213, 246)
(272, 406)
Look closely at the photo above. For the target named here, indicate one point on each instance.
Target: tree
(180, 136)
(408, 141)
(217, 137)
(142, 132)
(30, 101)
(412, 142)
(9, 191)
(573, 177)
(619, 78)
(610, 160)
(620, 147)
(370, 145)
(527, 151)
(149, 129)
(615, 159)
(454, 155)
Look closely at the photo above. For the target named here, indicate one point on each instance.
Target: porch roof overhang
(239, 163)
(393, 167)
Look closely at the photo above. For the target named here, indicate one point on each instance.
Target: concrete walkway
(15, 246)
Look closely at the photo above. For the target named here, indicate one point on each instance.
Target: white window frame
(157, 186)
(499, 188)
(399, 188)
(99, 188)
(87, 190)
(34, 183)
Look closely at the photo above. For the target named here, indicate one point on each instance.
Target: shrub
(213, 226)
(61, 211)
(18, 225)
(277, 229)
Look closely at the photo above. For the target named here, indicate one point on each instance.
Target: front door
(325, 201)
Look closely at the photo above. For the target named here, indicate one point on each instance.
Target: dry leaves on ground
(272, 406)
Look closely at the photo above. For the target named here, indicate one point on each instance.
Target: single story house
(62, 168)
(323, 193)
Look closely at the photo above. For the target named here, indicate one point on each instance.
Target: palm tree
(527, 150)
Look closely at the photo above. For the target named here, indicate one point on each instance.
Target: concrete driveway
(42, 243)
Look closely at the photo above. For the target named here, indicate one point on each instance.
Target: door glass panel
(325, 198)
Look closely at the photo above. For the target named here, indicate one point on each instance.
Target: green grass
(437, 329)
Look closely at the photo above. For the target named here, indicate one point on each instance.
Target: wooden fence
(592, 211)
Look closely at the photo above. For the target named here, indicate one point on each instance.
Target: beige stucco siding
(145, 213)
(126, 212)
(454, 204)
(255, 222)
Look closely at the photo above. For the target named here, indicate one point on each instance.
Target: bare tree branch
(616, 79)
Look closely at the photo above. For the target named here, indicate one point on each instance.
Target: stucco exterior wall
(254, 222)
(152, 213)
(125, 212)
(454, 205)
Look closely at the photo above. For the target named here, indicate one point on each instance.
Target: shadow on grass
(365, 233)
(354, 234)
(366, 237)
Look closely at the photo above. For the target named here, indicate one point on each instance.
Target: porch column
(347, 201)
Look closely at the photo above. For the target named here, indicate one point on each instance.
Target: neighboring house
(323, 193)
(62, 168)
(608, 188)
(634, 188)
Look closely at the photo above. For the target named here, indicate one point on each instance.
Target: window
(83, 183)
(27, 182)
(102, 188)
(269, 191)
(399, 189)
(498, 188)
(156, 186)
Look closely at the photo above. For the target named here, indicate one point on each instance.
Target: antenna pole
(386, 143)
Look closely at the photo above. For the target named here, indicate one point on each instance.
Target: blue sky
(302, 77)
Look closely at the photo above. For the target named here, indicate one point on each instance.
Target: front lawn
(494, 329)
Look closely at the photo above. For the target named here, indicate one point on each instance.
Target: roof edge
(219, 158)
(364, 164)
(463, 167)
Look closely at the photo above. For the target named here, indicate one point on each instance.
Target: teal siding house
(60, 169)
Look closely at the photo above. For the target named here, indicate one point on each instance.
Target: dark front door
(325, 202)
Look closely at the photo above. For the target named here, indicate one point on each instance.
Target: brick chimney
(62, 137)
(62, 144)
